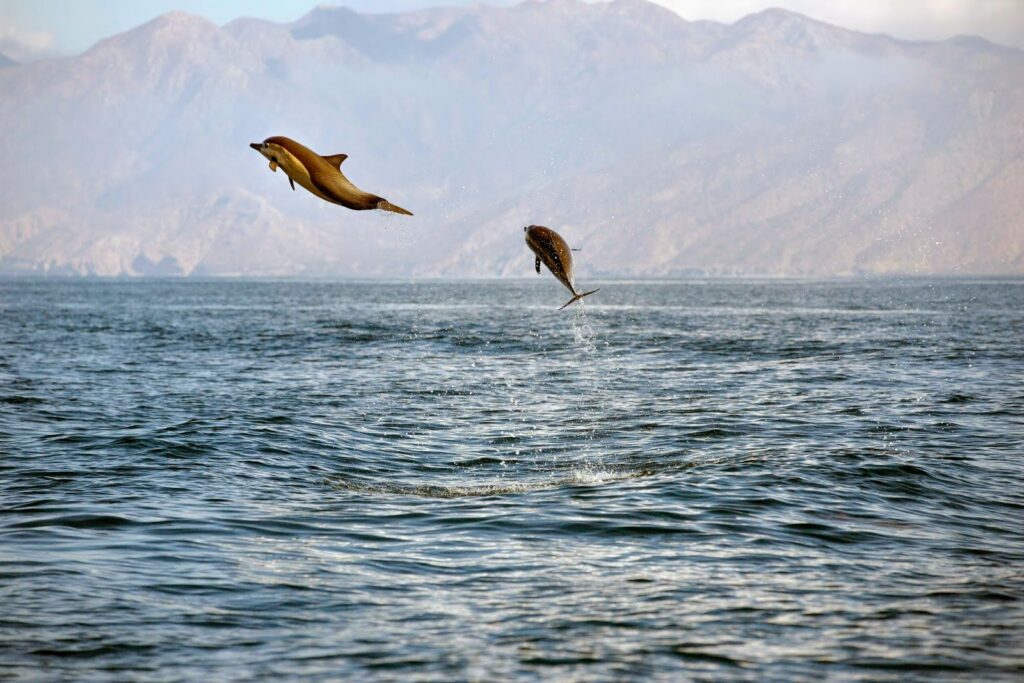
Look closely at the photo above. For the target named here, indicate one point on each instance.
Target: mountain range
(776, 145)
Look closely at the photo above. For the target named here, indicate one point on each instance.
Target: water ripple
(692, 480)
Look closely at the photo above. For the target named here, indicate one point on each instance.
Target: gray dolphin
(320, 175)
(550, 248)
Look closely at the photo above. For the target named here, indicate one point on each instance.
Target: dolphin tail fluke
(385, 205)
(579, 296)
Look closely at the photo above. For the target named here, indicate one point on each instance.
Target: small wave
(482, 461)
(21, 400)
(701, 653)
(77, 521)
(714, 433)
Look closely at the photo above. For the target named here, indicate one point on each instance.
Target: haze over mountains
(777, 145)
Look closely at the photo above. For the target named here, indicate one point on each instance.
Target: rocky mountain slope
(775, 145)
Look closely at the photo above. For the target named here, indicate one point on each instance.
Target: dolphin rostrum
(320, 175)
(550, 248)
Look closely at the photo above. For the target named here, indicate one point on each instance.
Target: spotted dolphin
(554, 252)
(320, 175)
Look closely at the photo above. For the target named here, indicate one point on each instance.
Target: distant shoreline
(962, 278)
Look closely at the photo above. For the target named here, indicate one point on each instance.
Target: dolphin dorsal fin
(336, 159)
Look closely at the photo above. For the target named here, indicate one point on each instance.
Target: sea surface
(454, 481)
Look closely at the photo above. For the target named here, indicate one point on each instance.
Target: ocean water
(694, 480)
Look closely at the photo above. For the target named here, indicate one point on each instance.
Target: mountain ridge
(606, 121)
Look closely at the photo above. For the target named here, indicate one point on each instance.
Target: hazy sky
(36, 27)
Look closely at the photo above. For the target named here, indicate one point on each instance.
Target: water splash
(583, 332)
(592, 382)
(396, 230)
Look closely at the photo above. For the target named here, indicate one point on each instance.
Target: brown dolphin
(550, 248)
(320, 175)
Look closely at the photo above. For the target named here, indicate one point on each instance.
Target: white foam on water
(589, 476)
(583, 476)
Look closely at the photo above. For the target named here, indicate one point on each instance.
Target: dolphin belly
(297, 172)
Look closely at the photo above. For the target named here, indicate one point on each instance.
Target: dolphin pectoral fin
(291, 182)
(335, 160)
(536, 264)
(273, 166)
(578, 297)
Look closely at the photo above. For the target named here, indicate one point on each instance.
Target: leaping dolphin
(320, 175)
(550, 248)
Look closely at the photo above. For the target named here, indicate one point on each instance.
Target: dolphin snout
(255, 145)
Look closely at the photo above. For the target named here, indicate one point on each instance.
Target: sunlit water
(455, 481)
